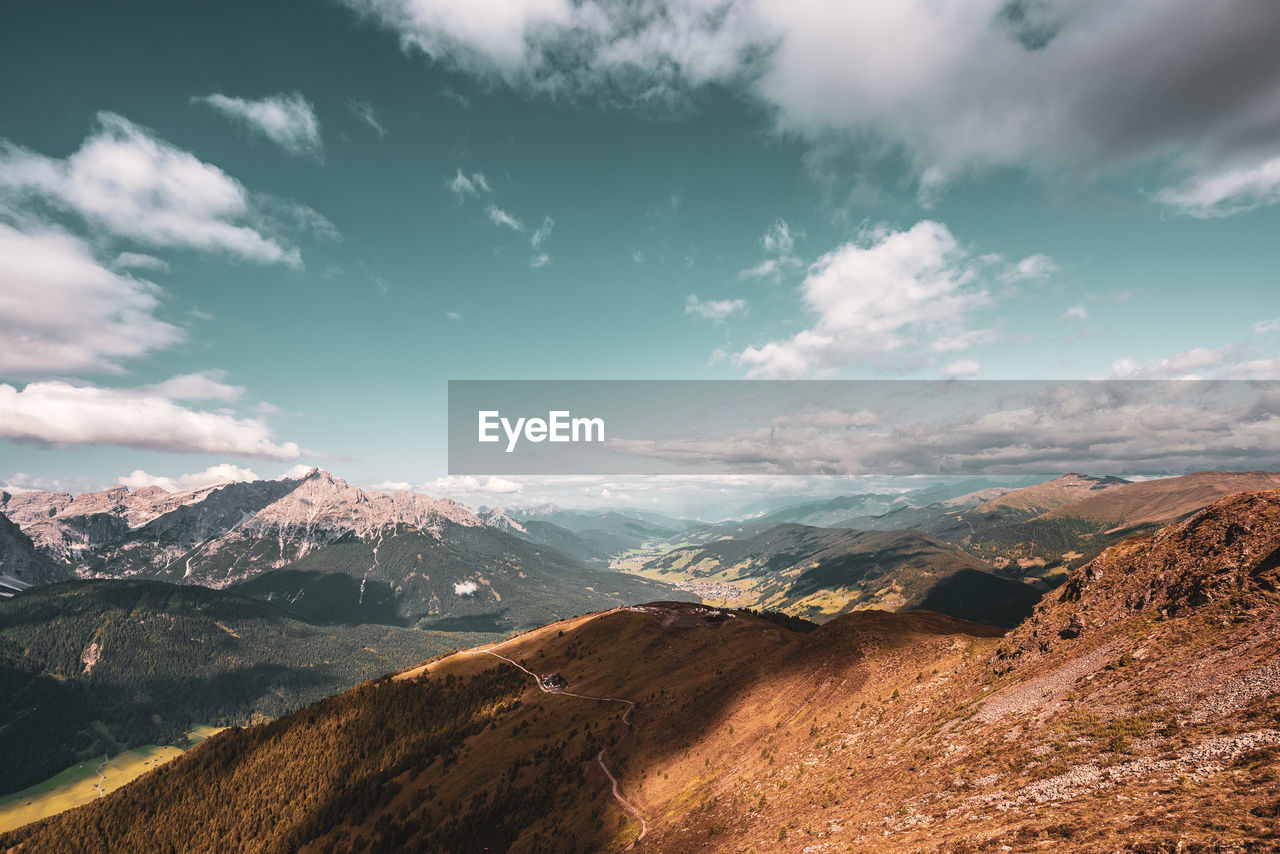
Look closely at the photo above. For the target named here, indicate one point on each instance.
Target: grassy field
(80, 783)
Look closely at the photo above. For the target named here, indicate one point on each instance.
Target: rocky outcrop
(1223, 562)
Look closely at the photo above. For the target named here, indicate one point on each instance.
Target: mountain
(545, 534)
(327, 551)
(818, 573)
(1046, 530)
(93, 668)
(1164, 500)
(1042, 497)
(21, 564)
(607, 531)
(828, 512)
(1137, 710)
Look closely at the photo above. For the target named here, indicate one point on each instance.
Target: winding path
(626, 719)
(102, 777)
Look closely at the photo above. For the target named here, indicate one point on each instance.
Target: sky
(236, 240)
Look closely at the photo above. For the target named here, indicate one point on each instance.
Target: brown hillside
(1165, 500)
(1061, 491)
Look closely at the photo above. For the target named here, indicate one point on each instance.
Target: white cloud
(1030, 268)
(129, 184)
(297, 471)
(1076, 312)
(139, 261)
(86, 318)
(1192, 364)
(394, 486)
(1226, 192)
(365, 112)
(288, 120)
(961, 368)
(1050, 83)
(1226, 362)
(778, 242)
(215, 474)
(465, 588)
(464, 486)
(543, 232)
(58, 413)
(500, 217)
(539, 260)
(1264, 326)
(21, 482)
(462, 186)
(714, 309)
(205, 385)
(884, 293)
(455, 316)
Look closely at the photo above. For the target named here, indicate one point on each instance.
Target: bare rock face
(1224, 559)
(66, 527)
(496, 517)
(21, 564)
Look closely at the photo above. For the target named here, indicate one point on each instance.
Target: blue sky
(234, 236)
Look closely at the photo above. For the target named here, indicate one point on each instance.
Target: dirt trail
(626, 719)
(644, 825)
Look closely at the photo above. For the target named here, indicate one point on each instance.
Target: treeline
(780, 618)
(94, 668)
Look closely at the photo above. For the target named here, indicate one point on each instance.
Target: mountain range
(320, 548)
(1137, 709)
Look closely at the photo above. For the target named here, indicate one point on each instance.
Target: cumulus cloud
(1076, 312)
(127, 183)
(59, 413)
(213, 475)
(288, 120)
(714, 309)
(465, 588)
(87, 318)
(1264, 326)
(1052, 83)
(888, 292)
